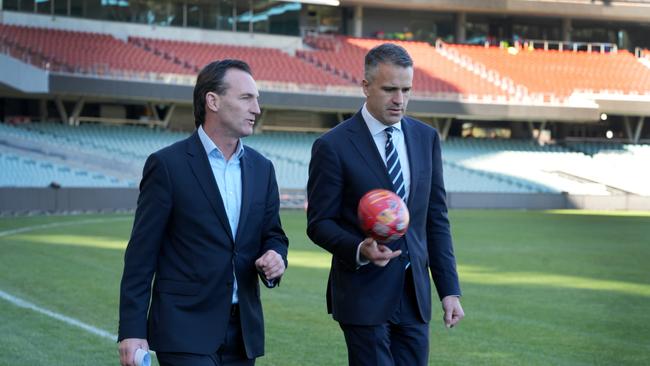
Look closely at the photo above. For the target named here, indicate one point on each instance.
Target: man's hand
(127, 350)
(378, 254)
(453, 311)
(271, 264)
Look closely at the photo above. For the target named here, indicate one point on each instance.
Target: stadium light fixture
(603, 116)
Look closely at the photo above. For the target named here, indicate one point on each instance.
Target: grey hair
(386, 53)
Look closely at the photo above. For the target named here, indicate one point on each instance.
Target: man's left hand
(453, 311)
(271, 264)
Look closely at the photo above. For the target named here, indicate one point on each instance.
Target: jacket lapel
(362, 140)
(200, 166)
(413, 145)
(246, 191)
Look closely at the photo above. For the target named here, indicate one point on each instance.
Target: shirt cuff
(360, 262)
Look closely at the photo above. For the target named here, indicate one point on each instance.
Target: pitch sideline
(59, 224)
(66, 319)
(28, 305)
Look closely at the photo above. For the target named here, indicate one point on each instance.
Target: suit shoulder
(420, 126)
(255, 156)
(416, 123)
(337, 131)
(174, 149)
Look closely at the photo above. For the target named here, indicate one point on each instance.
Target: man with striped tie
(381, 294)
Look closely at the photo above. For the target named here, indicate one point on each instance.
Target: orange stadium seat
(71, 51)
(268, 64)
(563, 72)
(434, 74)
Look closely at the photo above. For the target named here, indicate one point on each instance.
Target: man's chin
(392, 119)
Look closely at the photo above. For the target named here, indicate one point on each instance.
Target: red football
(383, 215)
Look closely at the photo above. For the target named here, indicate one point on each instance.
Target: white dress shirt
(378, 133)
(379, 136)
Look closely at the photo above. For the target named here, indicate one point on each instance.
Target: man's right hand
(127, 350)
(378, 254)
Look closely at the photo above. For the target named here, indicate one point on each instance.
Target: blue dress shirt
(227, 174)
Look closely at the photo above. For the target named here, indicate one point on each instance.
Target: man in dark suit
(381, 294)
(207, 224)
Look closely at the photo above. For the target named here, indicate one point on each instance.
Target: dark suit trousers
(231, 353)
(402, 341)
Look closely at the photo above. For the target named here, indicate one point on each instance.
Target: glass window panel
(194, 18)
(61, 7)
(44, 6)
(223, 15)
(77, 8)
(269, 17)
(10, 4)
(176, 14)
(26, 6)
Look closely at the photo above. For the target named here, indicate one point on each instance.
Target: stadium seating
(556, 168)
(80, 52)
(613, 163)
(434, 74)
(470, 165)
(562, 72)
(268, 64)
(24, 171)
(337, 61)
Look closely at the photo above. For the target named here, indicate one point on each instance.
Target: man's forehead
(240, 82)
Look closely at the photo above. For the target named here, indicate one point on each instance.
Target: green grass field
(540, 288)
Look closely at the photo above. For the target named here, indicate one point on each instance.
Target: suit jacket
(345, 164)
(182, 235)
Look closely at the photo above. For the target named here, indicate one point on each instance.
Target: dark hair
(386, 53)
(210, 79)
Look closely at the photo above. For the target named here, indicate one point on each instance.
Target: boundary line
(28, 305)
(59, 224)
(66, 319)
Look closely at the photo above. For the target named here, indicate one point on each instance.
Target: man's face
(388, 91)
(238, 106)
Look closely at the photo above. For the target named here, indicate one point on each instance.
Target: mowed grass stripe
(540, 288)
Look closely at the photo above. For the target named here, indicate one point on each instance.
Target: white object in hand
(142, 358)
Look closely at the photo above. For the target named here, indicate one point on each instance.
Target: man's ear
(212, 101)
(365, 84)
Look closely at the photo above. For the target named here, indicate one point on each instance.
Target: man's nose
(256, 108)
(398, 98)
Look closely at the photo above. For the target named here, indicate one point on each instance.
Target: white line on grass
(59, 224)
(66, 319)
(28, 305)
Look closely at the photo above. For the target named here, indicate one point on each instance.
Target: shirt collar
(210, 146)
(374, 125)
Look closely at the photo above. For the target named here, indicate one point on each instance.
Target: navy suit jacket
(345, 164)
(182, 235)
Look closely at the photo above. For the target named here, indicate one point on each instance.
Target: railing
(546, 45)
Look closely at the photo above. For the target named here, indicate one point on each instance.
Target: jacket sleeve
(273, 236)
(152, 213)
(442, 262)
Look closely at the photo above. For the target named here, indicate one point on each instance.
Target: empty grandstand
(530, 100)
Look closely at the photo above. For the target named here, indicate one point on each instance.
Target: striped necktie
(393, 165)
(395, 175)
